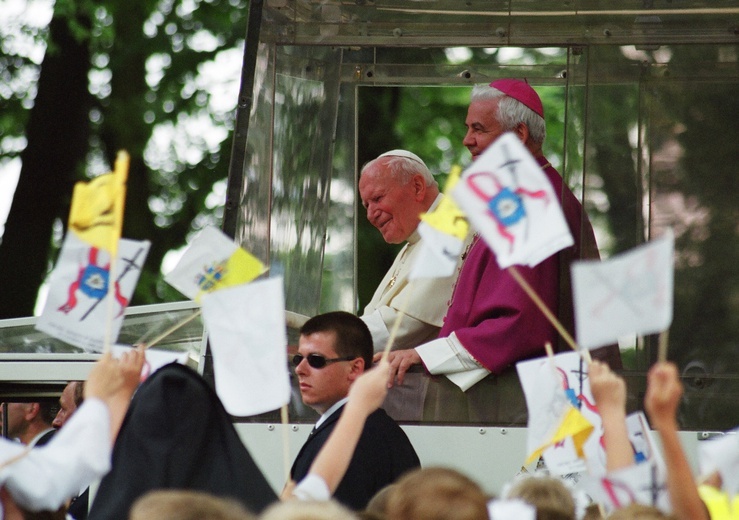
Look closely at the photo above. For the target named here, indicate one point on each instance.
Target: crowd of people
(167, 449)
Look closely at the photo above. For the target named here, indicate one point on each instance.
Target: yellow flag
(96, 215)
(447, 217)
(574, 425)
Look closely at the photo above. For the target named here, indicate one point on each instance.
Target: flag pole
(662, 349)
(585, 353)
(285, 442)
(120, 176)
(170, 330)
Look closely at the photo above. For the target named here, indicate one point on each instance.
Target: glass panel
(655, 158)
(338, 286)
(284, 211)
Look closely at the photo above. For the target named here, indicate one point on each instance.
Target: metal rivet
(503, 431)
(271, 427)
(295, 427)
(482, 431)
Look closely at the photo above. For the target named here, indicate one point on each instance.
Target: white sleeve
(411, 331)
(78, 454)
(312, 487)
(449, 357)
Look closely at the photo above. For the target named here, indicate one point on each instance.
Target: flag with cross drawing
(509, 200)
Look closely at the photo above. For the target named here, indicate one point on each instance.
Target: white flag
(438, 255)
(246, 327)
(76, 309)
(641, 484)
(509, 200)
(630, 293)
(722, 455)
(154, 358)
(554, 414)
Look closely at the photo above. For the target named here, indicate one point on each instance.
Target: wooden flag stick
(170, 330)
(585, 353)
(285, 442)
(662, 349)
(120, 175)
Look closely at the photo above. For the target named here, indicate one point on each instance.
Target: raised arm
(664, 391)
(609, 391)
(48, 476)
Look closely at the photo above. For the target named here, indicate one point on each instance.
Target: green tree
(146, 61)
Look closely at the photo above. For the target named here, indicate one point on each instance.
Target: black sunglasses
(318, 361)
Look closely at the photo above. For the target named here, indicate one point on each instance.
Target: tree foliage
(144, 62)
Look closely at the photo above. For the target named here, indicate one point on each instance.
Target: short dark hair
(353, 338)
(48, 410)
(79, 393)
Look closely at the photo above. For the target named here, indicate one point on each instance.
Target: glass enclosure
(629, 95)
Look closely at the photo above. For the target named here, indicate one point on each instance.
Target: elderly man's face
(482, 126)
(391, 207)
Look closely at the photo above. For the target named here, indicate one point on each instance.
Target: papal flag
(96, 213)
(246, 327)
(443, 232)
(213, 262)
(77, 307)
(511, 203)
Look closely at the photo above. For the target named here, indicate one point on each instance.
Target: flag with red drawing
(630, 293)
(442, 231)
(76, 309)
(213, 261)
(509, 200)
(552, 416)
(563, 458)
(641, 484)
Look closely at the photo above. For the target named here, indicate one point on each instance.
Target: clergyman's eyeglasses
(319, 361)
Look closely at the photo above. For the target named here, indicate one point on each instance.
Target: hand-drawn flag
(75, 311)
(722, 454)
(630, 293)
(212, 262)
(640, 483)
(510, 201)
(246, 326)
(442, 236)
(96, 212)
(552, 416)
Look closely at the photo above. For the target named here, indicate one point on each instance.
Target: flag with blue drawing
(630, 293)
(443, 232)
(76, 309)
(511, 203)
(552, 416)
(637, 484)
(97, 271)
(213, 262)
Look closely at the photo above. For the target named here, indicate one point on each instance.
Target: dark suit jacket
(177, 435)
(45, 438)
(382, 455)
